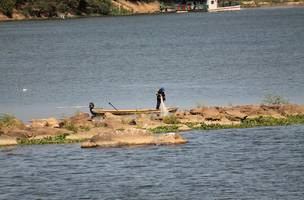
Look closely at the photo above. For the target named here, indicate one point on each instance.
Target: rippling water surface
(209, 58)
(260, 163)
(205, 58)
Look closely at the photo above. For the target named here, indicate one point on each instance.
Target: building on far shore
(218, 5)
(183, 6)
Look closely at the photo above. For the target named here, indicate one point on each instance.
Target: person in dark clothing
(160, 93)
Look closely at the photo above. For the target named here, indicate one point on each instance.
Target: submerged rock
(132, 137)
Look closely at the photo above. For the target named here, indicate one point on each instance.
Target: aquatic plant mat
(60, 139)
(251, 123)
(165, 129)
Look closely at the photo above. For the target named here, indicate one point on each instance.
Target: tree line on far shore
(51, 8)
(54, 8)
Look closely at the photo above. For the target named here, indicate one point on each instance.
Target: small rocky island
(143, 129)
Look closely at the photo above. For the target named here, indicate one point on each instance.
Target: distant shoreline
(251, 4)
(18, 17)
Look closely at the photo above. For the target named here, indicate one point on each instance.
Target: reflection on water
(258, 163)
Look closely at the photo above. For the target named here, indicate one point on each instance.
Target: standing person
(160, 93)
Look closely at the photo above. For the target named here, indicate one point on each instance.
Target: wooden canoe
(101, 111)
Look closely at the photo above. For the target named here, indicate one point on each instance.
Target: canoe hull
(100, 111)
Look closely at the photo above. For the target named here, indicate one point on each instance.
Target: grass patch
(60, 139)
(164, 129)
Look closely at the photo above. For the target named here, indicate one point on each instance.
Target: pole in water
(112, 106)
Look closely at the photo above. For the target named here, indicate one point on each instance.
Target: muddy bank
(143, 129)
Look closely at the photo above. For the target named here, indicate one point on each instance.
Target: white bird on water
(24, 90)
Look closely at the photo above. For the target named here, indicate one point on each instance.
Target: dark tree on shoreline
(51, 8)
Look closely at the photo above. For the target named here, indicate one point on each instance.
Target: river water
(200, 58)
(258, 163)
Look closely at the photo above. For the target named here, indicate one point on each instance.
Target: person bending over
(160, 93)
